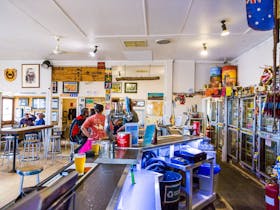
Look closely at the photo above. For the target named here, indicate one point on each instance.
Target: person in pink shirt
(93, 127)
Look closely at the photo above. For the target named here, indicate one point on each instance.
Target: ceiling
(28, 27)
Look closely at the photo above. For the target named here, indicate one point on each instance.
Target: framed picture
(23, 101)
(116, 87)
(38, 103)
(30, 75)
(70, 87)
(139, 103)
(130, 87)
(155, 96)
(54, 87)
(55, 103)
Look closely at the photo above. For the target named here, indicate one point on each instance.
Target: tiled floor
(9, 182)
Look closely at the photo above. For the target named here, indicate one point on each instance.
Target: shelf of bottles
(265, 119)
(213, 116)
(268, 151)
(247, 149)
(233, 142)
(233, 112)
(247, 113)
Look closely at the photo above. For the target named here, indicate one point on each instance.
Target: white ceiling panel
(47, 14)
(27, 28)
(110, 17)
(206, 15)
(165, 16)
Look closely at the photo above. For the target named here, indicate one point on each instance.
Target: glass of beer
(95, 147)
(80, 160)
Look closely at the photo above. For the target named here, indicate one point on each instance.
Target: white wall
(202, 73)
(183, 76)
(15, 87)
(249, 64)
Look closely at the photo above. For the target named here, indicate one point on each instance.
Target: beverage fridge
(232, 128)
(268, 143)
(220, 126)
(247, 132)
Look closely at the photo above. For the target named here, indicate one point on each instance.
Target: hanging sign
(10, 74)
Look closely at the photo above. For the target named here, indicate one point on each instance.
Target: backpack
(75, 129)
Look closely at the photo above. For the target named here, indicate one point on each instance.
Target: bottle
(172, 119)
(155, 136)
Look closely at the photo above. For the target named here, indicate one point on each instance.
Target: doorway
(69, 112)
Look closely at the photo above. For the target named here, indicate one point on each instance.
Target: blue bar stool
(28, 171)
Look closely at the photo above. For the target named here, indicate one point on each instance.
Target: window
(7, 110)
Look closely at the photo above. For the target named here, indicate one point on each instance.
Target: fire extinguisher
(271, 196)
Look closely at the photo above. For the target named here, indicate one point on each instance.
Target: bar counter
(103, 186)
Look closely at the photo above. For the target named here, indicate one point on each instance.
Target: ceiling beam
(186, 16)
(70, 19)
(31, 17)
(146, 23)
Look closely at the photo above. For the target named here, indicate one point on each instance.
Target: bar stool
(31, 147)
(28, 171)
(9, 147)
(55, 146)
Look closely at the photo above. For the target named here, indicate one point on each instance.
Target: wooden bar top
(11, 130)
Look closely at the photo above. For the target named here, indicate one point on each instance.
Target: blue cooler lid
(204, 169)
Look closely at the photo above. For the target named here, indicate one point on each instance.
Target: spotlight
(225, 32)
(93, 52)
(46, 64)
(204, 50)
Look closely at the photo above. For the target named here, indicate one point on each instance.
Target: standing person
(41, 120)
(130, 115)
(28, 120)
(93, 127)
(76, 135)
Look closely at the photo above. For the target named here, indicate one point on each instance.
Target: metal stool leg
(21, 185)
(38, 179)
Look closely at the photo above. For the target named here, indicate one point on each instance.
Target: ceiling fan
(57, 50)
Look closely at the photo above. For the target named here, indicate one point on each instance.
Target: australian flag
(260, 14)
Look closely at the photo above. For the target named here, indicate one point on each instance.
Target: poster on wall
(30, 75)
(155, 96)
(70, 87)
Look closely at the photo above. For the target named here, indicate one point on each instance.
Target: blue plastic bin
(204, 170)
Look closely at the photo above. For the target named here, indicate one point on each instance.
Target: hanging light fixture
(225, 32)
(204, 50)
(93, 52)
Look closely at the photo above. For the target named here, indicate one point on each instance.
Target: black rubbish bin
(170, 185)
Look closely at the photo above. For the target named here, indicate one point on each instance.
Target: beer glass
(80, 160)
(95, 147)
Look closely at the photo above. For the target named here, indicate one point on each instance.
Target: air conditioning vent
(142, 43)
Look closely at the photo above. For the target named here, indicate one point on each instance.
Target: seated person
(76, 134)
(41, 120)
(28, 120)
